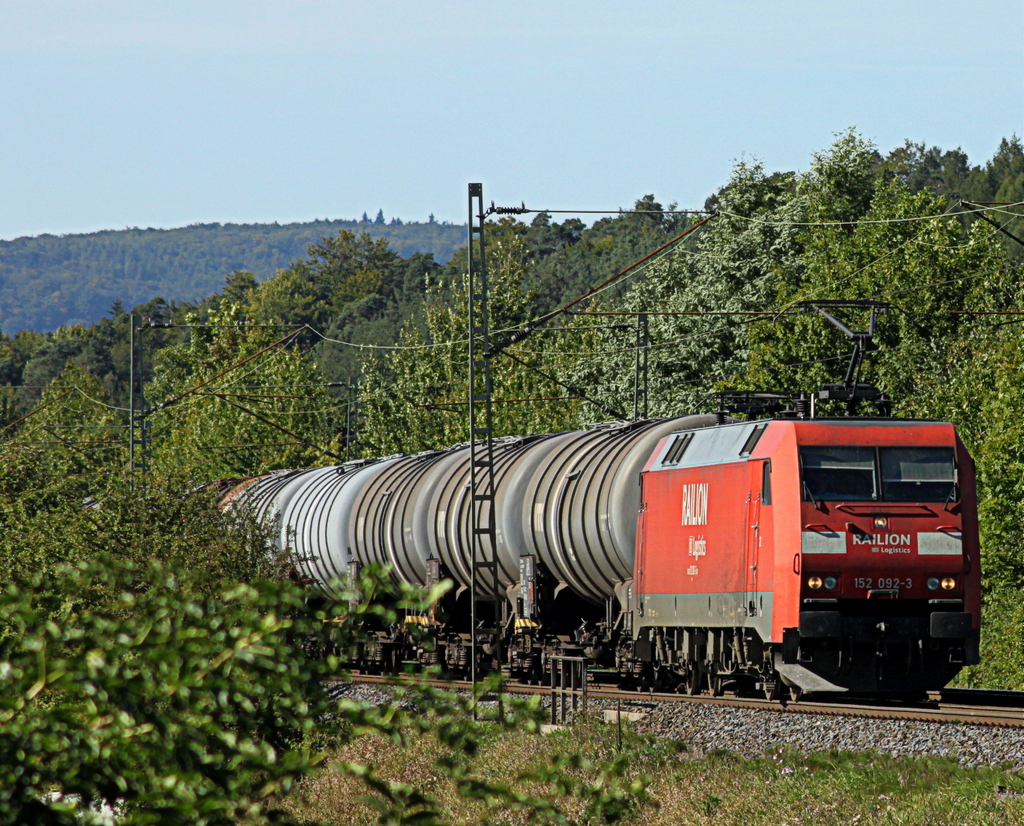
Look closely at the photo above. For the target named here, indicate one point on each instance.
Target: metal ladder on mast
(482, 538)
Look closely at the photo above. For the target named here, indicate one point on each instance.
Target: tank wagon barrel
(570, 499)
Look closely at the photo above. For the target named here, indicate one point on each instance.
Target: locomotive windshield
(916, 474)
(887, 474)
(846, 473)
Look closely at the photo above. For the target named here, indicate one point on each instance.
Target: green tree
(732, 264)
(171, 706)
(78, 429)
(132, 688)
(273, 412)
(415, 398)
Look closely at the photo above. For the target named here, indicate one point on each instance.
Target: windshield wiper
(951, 497)
(819, 505)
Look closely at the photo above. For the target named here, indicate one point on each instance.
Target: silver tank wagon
(568, 499)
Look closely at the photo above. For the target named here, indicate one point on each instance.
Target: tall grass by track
(781, 787)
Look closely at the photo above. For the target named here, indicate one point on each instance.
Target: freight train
(691, 554)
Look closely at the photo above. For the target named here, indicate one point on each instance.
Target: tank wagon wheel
(672, 681)
(772, 689)
(717, 683)
(694, 680)
(631, 680)
(795, 693)
(661, 678)
(648, 678)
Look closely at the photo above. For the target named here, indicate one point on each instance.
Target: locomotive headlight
(814, 583)
(830, 582)
(933, 583)
(948, 583)
(881, 522)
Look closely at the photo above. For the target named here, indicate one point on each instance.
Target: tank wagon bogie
(688, 553)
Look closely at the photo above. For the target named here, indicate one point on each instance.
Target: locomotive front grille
(885, 608)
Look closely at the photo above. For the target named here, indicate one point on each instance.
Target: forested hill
(49, 280)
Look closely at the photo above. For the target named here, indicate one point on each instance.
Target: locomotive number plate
(870, 583)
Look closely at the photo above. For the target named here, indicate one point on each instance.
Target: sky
(163, 114)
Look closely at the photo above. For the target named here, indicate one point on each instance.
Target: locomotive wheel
(772, 690)
(717, 682)
(795, 693)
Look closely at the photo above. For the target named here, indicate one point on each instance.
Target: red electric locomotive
(813, 554)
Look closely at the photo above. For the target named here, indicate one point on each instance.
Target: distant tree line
(49, 281)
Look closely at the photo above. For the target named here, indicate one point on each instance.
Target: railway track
(958, 706)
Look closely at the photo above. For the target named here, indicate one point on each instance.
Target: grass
(1002, 655)
(659, 782)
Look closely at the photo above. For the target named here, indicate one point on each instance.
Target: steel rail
(950, 706)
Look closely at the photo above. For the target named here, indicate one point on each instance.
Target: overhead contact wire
(858, 222)
(575, 391)
(175, 399)
(523, 332)
(278, 427)
(43, 406)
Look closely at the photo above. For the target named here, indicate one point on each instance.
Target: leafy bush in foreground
(182, 708)
(121, 684)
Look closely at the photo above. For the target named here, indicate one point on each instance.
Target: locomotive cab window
(887, 474)
(917, 474)
(839, 473)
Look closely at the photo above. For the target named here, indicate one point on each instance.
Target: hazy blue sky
(162, 114)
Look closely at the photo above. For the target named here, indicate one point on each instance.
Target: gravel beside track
(752, 733)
